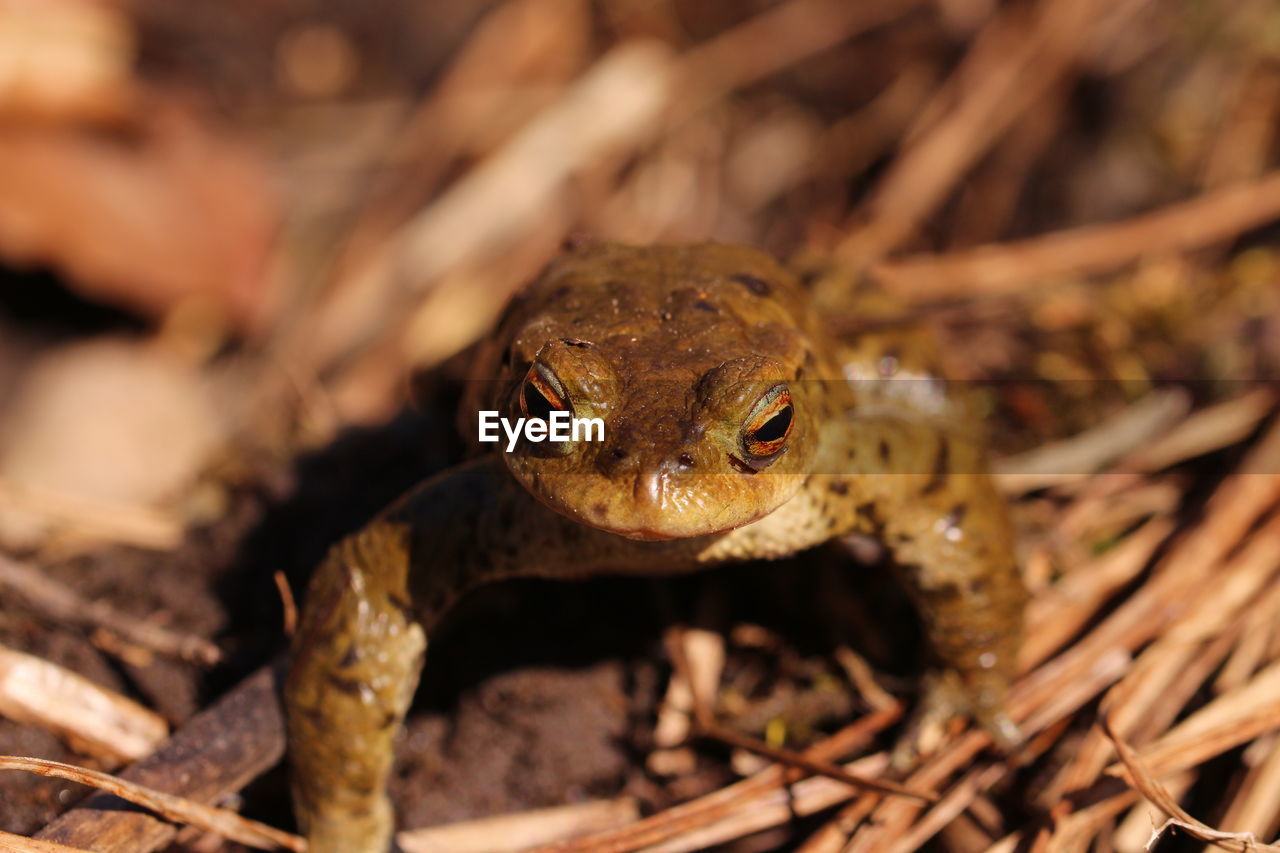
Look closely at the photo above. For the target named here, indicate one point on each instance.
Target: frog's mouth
(654, 505)
(653, 524)
(664, 533)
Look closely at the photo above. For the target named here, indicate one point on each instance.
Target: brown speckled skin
(672, 346)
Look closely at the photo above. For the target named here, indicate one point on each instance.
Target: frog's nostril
(617, 459)
(685, 460)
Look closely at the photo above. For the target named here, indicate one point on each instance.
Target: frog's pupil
(536, 405)
(774, 428)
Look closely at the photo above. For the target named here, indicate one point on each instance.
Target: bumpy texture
(735, 428)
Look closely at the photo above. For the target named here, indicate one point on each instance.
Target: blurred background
(245, 245)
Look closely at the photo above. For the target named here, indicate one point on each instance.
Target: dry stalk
(10, 843)
(1138, 774)
(100, 722)
(510, 833)
(179, 809)
(1214, 217)
(60, 603)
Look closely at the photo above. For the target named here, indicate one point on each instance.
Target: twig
(62, 604)
(1226, 722)
(102, 723)
(820, 768)
(217, 752)
(1257, 806)
(772, 41)
(1207, 219)
(221, 821)
(750, 794)
(129, 524)
(287, 604)
(1204, 431)
(1091, 450)
(1010, 67)
(705, 718)
(1142, 779)
(10, 843)
(514, 832)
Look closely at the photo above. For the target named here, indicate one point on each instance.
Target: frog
(736, 427)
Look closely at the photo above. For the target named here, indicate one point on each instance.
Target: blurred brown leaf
(65, 61)
(170, 214)
(109, 423)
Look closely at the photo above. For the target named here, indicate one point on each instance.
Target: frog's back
(685, 306)
(703, 301)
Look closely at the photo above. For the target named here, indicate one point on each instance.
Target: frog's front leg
(355, 665)
(933, 503)
(359, 649)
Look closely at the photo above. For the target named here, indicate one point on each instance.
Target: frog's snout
(649, 479)
(649, 488)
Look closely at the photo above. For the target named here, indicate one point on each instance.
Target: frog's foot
(946, 697)
(349, 833)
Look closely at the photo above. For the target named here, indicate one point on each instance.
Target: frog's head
(693, 372)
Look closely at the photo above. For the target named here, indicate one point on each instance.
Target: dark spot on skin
(389, 720)
(941, 463)
(347, 685)
(956, 516)
(403, 605)
(618, 453)
(704, 305)
(740, 465)
(598, 510)
(561, 292)
(910, 571)
(979, 586)
(685, 460)
(947, 590)
(758, 286)
(577, 342)
(349, 657)
(884, 451)
(575, 242)
(840, 487)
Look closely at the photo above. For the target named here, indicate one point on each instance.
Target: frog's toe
(946, 697)
(942, 699)
(1003, 730)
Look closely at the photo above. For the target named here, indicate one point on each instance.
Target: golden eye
(770, 423)
(541, 394)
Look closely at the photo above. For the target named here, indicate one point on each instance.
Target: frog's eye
(541, 394)
(770, 423)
